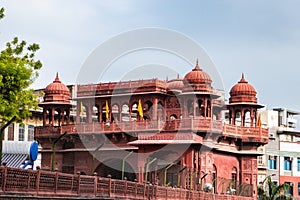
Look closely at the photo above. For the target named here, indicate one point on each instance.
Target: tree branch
(7, 124)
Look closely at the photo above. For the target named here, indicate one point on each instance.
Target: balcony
(207, 125)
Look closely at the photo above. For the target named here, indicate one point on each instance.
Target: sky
(259, 38)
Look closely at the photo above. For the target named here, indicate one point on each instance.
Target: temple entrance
(113, 167)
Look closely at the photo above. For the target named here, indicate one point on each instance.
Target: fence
(56, 184)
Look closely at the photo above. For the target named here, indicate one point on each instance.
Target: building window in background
(272, 162)
(287, 163)
(10, 132)
(21, 132)
(30, 132)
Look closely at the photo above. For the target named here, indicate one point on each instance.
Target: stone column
(155, 102)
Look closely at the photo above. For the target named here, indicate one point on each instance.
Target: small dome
(57, 92)
(198, 80)
(175, 84)
(197, 75)
(242, 92)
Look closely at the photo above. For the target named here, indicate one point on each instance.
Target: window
(10, 133)
(298, 188)
(30, 132)
(298, 164)
(21, 132)
(234, 177)
(287, 163)
(272, 162)
(290, 189)
(260, 160)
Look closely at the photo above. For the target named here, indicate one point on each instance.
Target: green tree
(18, 70)
(273, 191)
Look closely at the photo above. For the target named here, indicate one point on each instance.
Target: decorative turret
(243, 104)
(243, 92)
(56, 105)
(57, 92)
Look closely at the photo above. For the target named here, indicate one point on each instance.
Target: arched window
(125, 113)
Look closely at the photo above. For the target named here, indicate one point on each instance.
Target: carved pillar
(100, 111)
(63, 116)
(155, 102)
(89, 114)
(233, 117)
(205, 107)
(52, 116)
(252, 117)
(44, 116)
(78, 113)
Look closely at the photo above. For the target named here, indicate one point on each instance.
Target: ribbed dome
(175, 84)
(197, 75)
(57, 91)
(242, 92)
(197, 81)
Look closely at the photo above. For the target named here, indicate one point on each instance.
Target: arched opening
(238, 118)
(247, 118)
(214, 179)
(190, 108)
(125, 113)
(48, 117)
(233, 178)
(105, 112)
(208, 108)
(134, 111)
(57, 117)
(95, 114)
(113, 167)
(115, 113)
(173, 117)
(200, 107)
(148, 110)
(160, 111)
(83, 113)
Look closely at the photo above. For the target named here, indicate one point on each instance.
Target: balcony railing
(39, 183)
(254, 134)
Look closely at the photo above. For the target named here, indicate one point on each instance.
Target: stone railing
(254, 134)
(39, 183)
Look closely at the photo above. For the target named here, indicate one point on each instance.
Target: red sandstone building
(163, 132)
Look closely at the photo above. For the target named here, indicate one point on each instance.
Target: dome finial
(56, 79)
(197, 65)
(243, 80)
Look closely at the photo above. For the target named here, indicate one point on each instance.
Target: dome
(242, 92)
(57, 92)
(175, 84)
(197, 75)
(198, 80)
